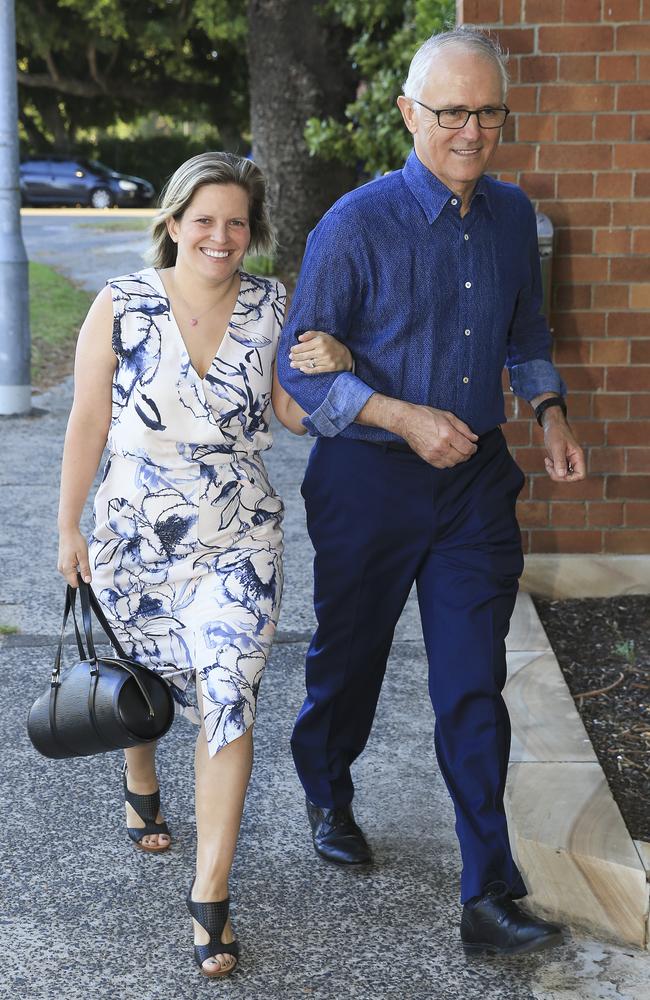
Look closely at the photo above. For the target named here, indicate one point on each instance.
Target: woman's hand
(73, 553)
(319, 352)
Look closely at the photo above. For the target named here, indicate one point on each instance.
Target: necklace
(194, 320)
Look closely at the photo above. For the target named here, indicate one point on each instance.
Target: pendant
(194, 322)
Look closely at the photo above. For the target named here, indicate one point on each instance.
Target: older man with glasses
(431, 276)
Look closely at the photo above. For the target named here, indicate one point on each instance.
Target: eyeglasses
(459, 117)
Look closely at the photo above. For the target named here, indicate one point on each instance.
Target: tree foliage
(387, 33)
(91, 62)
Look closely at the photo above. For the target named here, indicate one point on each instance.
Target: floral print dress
(186, 551)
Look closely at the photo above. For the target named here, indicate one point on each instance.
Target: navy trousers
(380, 520)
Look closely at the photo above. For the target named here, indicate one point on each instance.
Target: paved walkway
(85, 915)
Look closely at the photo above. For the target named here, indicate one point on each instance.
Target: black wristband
(544, 405)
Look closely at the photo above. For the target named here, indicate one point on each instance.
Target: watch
(546, 403)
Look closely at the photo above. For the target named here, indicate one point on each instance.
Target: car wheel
(101, 198)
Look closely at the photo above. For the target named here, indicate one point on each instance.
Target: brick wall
(578, 144)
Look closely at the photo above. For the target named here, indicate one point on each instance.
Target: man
(431, 276)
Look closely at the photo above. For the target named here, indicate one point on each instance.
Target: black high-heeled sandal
(212, 917)
(147, 808)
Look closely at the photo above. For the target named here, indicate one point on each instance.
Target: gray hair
(466, 36)
(210, 168)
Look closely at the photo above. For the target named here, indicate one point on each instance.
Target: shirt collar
(432, 194)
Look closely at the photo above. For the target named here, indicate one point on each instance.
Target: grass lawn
(57, 309)
(139, 224)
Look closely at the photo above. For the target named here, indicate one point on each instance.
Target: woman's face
(213, 233)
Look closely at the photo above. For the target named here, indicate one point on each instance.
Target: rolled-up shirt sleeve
(529, 343)
(327, 297)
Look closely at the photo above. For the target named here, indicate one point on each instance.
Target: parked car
(57, 180)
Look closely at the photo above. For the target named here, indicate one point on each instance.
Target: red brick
(579, 39)
(640, 355)
(628, 432)
(641, 128)
(544, 11)
(511, 12)
(581, 405)
(529, 459)
(634, 542)
(629, 324)
(573, 242)
(571, 352)
(574, 296)
(610, 352)
(594, 97)
(642, 185)
(523, 99)
(577, 68)
(568, 515)
(628, 487)
(478, 11)
(581, 10)
(637, 514)
(581, 269)
(544, 488)
(536, 128)
(637, 460)
(640, 299)
(575, 186)
(611, 296)
(514, 157)
(631, 155)
(605, 514)
(622, 10)
(612, 241)
(538, 69)
(614, 185)
(640, 406)
(633, 97)
(641, 241)
(538, 185)
(532, 514)
(602, 460)
(619, 68)
(566, 156)
(630, 269)
(631, 213)
(574, 128)
(628, 379)
(580, 325)
(517, 432)
(517, 40)
(578, 213)
(610, 405)
(587, 432)
(613, 127)
(633, 37)
(565, 541)
(644, 61)
(587, 377)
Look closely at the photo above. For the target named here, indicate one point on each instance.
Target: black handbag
(102, 702)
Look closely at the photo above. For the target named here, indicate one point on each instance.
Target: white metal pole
(15, 387)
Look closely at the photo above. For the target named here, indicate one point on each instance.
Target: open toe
(147, 808)
(216, 958)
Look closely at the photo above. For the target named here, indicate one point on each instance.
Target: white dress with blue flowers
(186, 552)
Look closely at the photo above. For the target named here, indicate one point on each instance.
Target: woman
(175, 372)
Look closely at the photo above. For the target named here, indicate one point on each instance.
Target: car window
(66, 168)
(37, 166)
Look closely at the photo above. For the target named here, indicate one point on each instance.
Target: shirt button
(468, 284)
(466, 237)
(454, 201)
(467, 333)
(465, 379)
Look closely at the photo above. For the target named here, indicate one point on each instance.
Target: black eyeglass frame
(453, 128)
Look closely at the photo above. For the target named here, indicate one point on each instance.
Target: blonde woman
(174, 373)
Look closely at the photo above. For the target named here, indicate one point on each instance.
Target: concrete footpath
(84, 915)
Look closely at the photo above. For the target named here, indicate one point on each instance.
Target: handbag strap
(89, 601)
(70, 596)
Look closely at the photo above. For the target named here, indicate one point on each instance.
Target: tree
(90, 62)
(297, 68)
(386, 35)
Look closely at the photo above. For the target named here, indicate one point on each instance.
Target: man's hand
(565, 461)
(437, 436)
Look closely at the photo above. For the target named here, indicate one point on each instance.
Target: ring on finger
(313, 363)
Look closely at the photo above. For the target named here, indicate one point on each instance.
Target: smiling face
(457, 78)
(213, 233)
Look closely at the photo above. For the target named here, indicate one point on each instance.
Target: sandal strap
(146, 806)
(212, 917)
(136, 833)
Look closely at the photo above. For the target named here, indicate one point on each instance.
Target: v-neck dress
(186, 551)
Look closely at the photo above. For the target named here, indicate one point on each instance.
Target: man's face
(457, 79)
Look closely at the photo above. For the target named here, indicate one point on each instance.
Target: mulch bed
(603, 648)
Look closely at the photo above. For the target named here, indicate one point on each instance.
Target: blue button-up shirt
(431, 305)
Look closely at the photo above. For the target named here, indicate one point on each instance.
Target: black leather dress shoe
(336, 836)
(494, 923)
